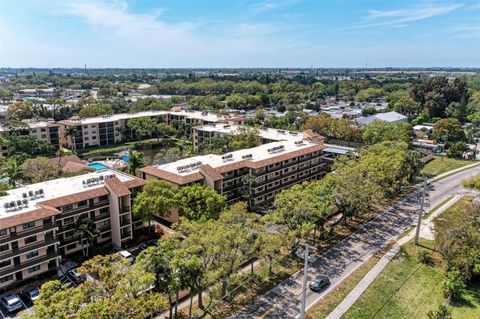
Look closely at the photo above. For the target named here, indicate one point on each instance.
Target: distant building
(113, 129)
(390, 117)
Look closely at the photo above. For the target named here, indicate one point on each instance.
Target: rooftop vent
(299, 142)
(247, 156)
(276, 149)
(227, 157)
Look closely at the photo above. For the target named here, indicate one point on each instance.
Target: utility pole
(304, 293)
(419, 222)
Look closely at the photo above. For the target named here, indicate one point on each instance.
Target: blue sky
(239, 33)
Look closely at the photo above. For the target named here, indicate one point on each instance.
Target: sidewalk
(425, 232)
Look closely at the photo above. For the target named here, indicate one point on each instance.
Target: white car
(11, 302)
(127, 255)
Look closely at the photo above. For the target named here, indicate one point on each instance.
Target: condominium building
(47, 131)
(108, 130)
(39, 93)
(256, 174)
(39, 222)
(268, 135)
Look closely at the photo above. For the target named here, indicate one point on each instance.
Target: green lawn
(439, 166)
(408, 289)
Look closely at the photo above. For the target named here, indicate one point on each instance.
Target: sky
(239, 33)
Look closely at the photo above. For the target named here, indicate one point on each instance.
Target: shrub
(454, 286)
(441, 313)
(424, 257)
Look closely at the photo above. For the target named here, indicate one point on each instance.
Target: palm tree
(12, 169)
(86, 229)
(71, 131)
(135, 161)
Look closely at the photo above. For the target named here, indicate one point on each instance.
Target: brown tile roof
(117, 187)
(136, 182)
(172, 177)
(185, 179)
(70, 199)
(65, 159)
(18, 219)
(209, 171)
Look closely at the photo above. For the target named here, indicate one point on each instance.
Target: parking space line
(1, 313)
(24, 305)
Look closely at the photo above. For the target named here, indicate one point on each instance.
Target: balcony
(125, 222)
(33, 246)
(125, 209)
(84, 209)
(26, 264)
(28, 232)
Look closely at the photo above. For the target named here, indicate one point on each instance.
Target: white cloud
(377, 18)
(270, 5)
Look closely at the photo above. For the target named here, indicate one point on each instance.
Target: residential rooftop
(263, 152)
(206, 116)
(31, 195)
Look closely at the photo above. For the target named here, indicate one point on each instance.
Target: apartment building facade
(256, 174)
(39, 222)
(47, 131)
(113, 129)
(267, 135)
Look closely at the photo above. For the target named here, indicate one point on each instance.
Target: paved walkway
(425, 232)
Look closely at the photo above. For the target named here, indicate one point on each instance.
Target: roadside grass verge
(407, 288)
(440, 165)
(425, 216)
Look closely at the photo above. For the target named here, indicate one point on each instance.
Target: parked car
(135, 251)
(31, 294)
(125, 254)
(11, 302)
(319, 283)
(76, 276)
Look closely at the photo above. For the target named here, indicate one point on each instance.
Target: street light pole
(419, 221)
(304, 293)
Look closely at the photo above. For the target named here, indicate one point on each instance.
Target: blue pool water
(125, 158)
(98, 166)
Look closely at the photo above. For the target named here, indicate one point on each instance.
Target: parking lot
(26, 304)
(65, 280)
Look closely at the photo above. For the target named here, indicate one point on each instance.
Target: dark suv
(319, 283)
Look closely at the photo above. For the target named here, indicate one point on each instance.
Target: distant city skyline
(236, 34)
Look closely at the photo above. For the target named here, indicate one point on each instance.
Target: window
(82, 203)
(5, 263)
(28, 225)
(71, 246)
(105, 235)
(3, 232)
(94, 137)
(104, 223)
(34, 268)
(68, 207)
(4, 247)
(68, 220)
(6, 278)
(31, 254)
(69, 234)
(43, 130)
(30, 239)
(102, 198)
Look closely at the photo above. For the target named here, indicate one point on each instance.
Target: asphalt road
(284, 300)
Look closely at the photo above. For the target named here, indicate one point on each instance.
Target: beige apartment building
(256, 174)
(38, 222)
(47, 131)
(268, 135)
(113, 129)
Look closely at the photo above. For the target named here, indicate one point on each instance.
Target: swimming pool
(98, 166)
